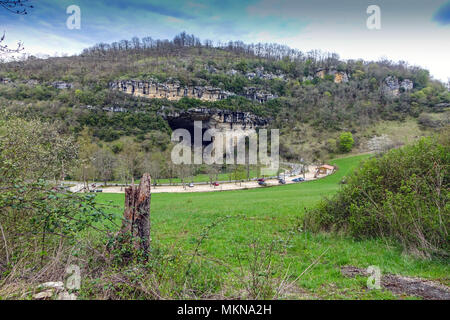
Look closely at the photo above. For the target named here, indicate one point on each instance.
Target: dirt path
(208, 188)
(400, 285)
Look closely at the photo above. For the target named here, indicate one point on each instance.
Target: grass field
(247, 223)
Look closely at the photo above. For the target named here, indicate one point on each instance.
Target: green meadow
(233, 234)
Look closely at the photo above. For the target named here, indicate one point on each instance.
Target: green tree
(346, 141)
(39, 221)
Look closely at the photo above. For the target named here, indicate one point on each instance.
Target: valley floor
(309, 176)
(234, 235)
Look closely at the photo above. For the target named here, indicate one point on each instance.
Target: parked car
(281, 181)
(215, 184)
(300, 179)
(261, 180)
(262, 183)
(191, 185)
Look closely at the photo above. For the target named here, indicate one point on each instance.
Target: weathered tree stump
(137, 213)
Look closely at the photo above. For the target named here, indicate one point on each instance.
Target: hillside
(108, 115)
(121, 94)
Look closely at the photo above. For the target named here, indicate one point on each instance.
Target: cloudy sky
(416, 31)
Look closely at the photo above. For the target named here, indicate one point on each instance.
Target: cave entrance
(188, 124)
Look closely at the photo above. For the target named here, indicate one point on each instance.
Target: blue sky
(411, 30)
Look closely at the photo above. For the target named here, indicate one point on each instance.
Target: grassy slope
(271, 214)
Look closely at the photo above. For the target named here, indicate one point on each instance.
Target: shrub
(346, 141)
(402, 195)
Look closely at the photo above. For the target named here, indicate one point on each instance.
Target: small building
(324, 169)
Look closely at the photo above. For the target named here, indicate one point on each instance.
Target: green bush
(403, 195)
(346, 141)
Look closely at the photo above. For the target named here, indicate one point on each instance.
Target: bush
(40, 222)
(346, 142)
(402, 195)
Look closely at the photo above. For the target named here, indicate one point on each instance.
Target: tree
(183, 171)
(152, 164)
(346, 141)
(104, 163)
(239, 173)
(136, 220)
(16, 7)
(86, 156)
(37, 218)
(130, 159)
(212, 171)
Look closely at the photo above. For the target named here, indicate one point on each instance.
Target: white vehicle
(191, 185)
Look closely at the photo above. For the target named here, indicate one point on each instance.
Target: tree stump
(137, 213)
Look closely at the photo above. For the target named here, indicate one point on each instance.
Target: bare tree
(184, 171)
(17, 7)
(152, 165)
(137, 214)
(104, 163)
(213, 171)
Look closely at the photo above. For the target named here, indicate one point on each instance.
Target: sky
(415, 31)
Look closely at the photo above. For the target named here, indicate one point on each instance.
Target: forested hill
(310, 91)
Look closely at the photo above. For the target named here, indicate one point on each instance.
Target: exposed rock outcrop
(174, 91)
(214, 118)
(62, 85)
(392, 85)
(339, 76)
(170, 90)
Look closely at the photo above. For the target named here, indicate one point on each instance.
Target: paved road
(201, 187)
(208, 188)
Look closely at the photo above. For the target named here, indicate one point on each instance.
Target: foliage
(346, 141)
(403, 195)
(262, 243)
(38, 218)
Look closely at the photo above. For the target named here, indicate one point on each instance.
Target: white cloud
(413, 38)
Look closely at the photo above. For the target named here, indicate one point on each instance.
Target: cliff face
(392, 85)
(174, 91)
(216, 118)
(339, 76)
(222, 120)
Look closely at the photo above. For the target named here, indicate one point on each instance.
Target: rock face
(258, 95)
(62, 85)
(221, 120)
(174, 91)
(379, 144)
(215, 118)
(261, 74)
(392, 86)
(407, 85)
(339, 76)
(171, 90)
(50, 290)
(34, 82)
